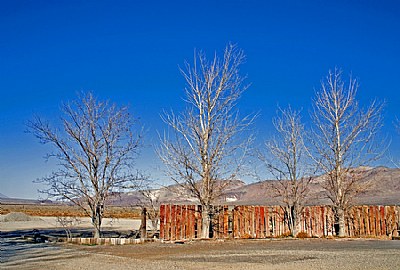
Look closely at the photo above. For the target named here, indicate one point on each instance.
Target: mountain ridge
(386, 191)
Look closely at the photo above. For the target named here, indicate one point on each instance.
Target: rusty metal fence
(181, 222)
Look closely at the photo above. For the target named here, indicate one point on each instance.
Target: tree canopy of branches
(287, 160)
(204, 147)
(344, 139)
(95, 150)
(395, 161)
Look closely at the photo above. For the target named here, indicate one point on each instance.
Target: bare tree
(343, 139)
(151, 201)
(287, 160)
(391, 158)
(95, 150)
(204, 147)
(67, 222)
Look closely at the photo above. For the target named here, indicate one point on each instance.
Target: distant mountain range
(385, 191)
(7, 200)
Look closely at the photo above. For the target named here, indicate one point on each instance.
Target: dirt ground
(229, 254)
(19, 253)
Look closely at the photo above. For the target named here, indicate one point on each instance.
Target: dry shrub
(247, 236)
(285, 235)
(302, 235)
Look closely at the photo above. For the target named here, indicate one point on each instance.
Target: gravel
(17, 217)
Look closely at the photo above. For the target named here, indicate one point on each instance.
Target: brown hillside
(386, 190)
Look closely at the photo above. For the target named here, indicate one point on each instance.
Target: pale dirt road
(237, 254)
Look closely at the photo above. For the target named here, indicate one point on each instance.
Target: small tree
(67, 223)
(287, 161)
(152, 204)
(95, 150)
(149, 201)
(202, 150)
(343, 139)
(394, 160)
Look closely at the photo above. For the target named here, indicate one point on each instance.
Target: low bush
(302, 235)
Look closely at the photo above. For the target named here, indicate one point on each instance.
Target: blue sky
(130, 52)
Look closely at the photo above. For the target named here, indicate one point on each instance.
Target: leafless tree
(95, 150)
(344, 138)
(67, 223)
(287, 160)
(151, 202)
(392, 159)
(204, 147)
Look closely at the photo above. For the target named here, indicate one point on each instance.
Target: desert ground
(238, 254)
(18, 252)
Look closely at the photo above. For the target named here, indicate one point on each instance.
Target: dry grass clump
(302, 235)
(285, 235)
(247, 236)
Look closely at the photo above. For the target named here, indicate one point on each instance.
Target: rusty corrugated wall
(183, 222)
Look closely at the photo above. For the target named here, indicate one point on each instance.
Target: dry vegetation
(55, 210)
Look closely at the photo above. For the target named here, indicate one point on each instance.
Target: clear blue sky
(130, 51)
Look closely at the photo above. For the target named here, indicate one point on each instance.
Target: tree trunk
(205, 221)
(143, 225)
(340, 223)
(96, 221)
(96, 224)
(294, 221)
